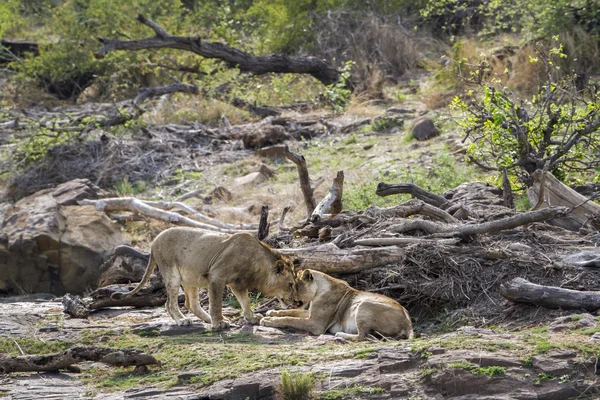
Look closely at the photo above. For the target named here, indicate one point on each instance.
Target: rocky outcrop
(50, 244)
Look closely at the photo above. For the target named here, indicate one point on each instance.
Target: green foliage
(557, 127)
(296, 386)
(338, 94)
(32, 346)
(9, 10)
(542, 377)
(124, 188)
(532, 18)
(351, 392)
(492, 370)
(364, 353)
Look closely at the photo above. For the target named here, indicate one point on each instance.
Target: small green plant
(575, 317)
(386, 123)
(125, 188)
(564, 378)
(350, 139)
(542, 377)
(426, 354)
(351, 392)
(528, 362)
(296, 386)
(492, 370)
(427, 372)
(364, 353)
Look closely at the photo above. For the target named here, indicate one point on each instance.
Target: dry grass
(382, 50)
(186, 109)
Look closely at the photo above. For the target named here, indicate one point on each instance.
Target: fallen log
(521, 290)
(399, 241)
(58, 361)
(235, 58)
(548, 191)
(330, 259)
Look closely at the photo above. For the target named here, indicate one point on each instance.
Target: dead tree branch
(263, 226)
(235, 58)
(411, 207)
(384, 189)
(137, 206)
(307, 190)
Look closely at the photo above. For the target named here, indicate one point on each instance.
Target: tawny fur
(337, 308)
(195, 259)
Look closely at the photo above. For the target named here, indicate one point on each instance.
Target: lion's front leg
(305, 324)
(242, 296)
(215, 304)
(298, 313)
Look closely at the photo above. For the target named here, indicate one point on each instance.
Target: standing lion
(195, 259)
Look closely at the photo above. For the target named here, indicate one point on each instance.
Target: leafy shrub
(557, 128)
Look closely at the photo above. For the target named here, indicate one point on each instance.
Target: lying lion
(194, 259)
(337, 308)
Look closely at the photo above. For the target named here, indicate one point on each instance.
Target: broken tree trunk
(332, 203)
(307, 190)
(58, 361)
(159, 91)
(522, 291)
(585, 213)
(235, 58)
(330, 259)
(263, 226)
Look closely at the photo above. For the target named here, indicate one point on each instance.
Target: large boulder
(49, 244)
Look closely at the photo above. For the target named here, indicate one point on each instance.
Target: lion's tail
(145, 279)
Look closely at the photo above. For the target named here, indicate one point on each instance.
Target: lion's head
(282, 282)
(306, 288)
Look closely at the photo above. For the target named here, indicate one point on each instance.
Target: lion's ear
(279, 266)
(306, 275)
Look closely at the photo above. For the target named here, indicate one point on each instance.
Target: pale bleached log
(554, 193)
(411, 207)
(332, 203)
(138, 206)
(398, 241)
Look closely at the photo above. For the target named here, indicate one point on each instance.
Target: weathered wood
(522, 291)
(411, 207)
(507, 193)
(330, 259)
(152, 210)
(263, 226)
(399, 241)
(384, 189)
(332, 203)
(307, 190)
(235, 58)
(585, 213)
(58, 361)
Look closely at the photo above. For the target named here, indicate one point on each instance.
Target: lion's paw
(219, 326)
(271, 313)
(266, 321)
(184, 322)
